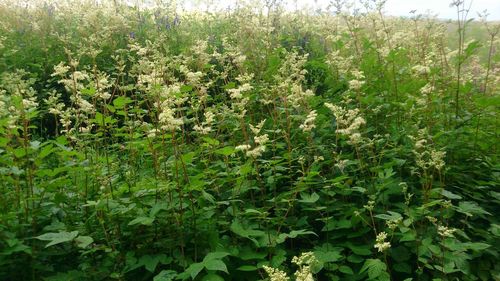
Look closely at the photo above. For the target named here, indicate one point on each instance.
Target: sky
(441, 8)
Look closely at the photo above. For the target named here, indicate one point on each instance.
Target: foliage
(146, 143)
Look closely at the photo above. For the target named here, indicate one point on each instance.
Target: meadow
(149, 142)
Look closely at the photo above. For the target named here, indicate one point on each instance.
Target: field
(148, 142)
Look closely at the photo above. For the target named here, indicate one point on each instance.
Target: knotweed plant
(176, 141)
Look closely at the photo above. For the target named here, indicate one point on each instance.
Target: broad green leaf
(165, 275)
(309, 198)
(212, 277)
(345, 269)
(57, 238)
(375, 268)
(121, 101)
(215, 256)
(215, 265)
(194, 269)
(142, 220)
(226, 151)
(83, 241)
(247, 268)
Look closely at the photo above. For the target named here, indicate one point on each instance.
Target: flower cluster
(349, 122)
(205, 127)
(381, 245)
(275, 274)
(305, 261)
(308, 124)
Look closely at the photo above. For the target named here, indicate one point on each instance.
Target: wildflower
(275, 274)
(444, 231)
(381, 244)
(256, 129)
(355, 85)
(243, 147)
(318, 158)
(427, 89)
(60, 70)
(348, 122)
(393, 223)
(421, 70)
(205, 127)
(306, 258)
(304, 274)
(304, 261)
(370, 205)
(308, 124)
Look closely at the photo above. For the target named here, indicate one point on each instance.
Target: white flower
(60, 70)
(243, 147)
(445, 231)
(275, 274)
(308, 124)
(356, 85)
(381, 244)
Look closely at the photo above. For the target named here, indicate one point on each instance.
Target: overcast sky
(399, 7)
(440, 7)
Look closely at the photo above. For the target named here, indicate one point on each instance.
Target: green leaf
(142, 220)
(48, 149)
(345, 269)
(165, 275)
(57, 238)
(215, 265)
(215, 256)
(293, 234)
(150, 262)
(375, 268)
(247, 268)
(476, 246)
(188, 157)
(226, 151)
(212, 277)
(194, 269)
(83, 241)
(121, 101)
(450, 195)
(470, 208)
(309, 198)
(99, 118)
(157, 208)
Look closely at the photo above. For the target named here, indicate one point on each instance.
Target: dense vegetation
(247, 144)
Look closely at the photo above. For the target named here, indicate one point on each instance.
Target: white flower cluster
(308, 124)
(259, 140)
(16, 87)
(275, 274)
(304, 273)
(305, 261)
(393, 223)
(348, 122)
(52, 102)
(167, 117)
(298, 96)
(381, 244)
(427, 157)
(358, 82)
(239, 102)
(340, 63)
(205, 127)
(445, 231)
(421, 69)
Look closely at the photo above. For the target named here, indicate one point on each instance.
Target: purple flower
(177, 21)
